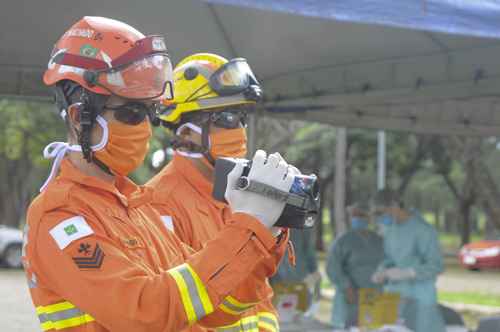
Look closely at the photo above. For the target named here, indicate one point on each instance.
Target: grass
(470, 298)
(451, 242)
(452, 297)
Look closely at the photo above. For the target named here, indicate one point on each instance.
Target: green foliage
(26, 127)
(470, 298)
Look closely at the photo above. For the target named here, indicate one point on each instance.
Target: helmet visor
(147, 78)
(233, 77)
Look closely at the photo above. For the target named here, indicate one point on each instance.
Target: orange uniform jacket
(183, 196)
(99, 258)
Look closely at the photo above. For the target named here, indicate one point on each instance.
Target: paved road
(18, 315)
(16, 310)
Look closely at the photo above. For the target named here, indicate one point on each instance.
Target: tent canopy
(373, 64)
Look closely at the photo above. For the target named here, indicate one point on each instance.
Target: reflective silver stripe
(60, 315)
(235, 308)
(43, 318)
(193, 293)
(66, 314)
(25, 239)
(249, 326)
(269, 321)
(31, 284)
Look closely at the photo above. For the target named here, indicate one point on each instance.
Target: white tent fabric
(312, 67)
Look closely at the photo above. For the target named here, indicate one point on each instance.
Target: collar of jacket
(194, 177)
(127, 192)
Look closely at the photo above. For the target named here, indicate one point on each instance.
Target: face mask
(126, 148)
(385, 220)
(229, 143)
(358, 223)
(118, 141)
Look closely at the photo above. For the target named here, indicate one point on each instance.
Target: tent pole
(251, 131)
(381, 166)
(340, 181)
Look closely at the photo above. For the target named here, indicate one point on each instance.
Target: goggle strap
(145, 47)
(68, 59)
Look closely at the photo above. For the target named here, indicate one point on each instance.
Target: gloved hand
(397, 274)
(379, 277)
(273, 171)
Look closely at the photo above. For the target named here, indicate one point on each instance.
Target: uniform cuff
(246, 221)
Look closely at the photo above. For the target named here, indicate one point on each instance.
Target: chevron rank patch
(88, 255)
(70, 230)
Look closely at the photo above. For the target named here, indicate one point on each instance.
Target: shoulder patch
(89, 256)
(70, 230)
(168, 222)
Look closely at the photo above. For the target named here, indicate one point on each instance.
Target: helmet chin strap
(57, 150)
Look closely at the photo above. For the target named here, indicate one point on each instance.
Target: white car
(11, 243)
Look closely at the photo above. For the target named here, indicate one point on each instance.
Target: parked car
(480, 255)
(11, 243)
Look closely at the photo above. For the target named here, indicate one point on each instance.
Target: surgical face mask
(359, 223)
(383, 222)
(126, 148)
(122, 147)
(385, 219)
(228, 143)
(225, 143)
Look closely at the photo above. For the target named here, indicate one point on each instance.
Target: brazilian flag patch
(88, 51)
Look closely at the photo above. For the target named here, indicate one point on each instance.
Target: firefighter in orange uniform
(207, 115)
(96, 254)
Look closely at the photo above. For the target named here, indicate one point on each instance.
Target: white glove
(273, 171)
(379, 277)
(397, 274)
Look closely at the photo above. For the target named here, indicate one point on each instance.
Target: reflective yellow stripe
(61, 316)
(268, 321)
(202, 292)
(246, 324)
(194, 295)
(186, 300)
(232, 306)
(48, 309)
(46, 326)
(72, 322)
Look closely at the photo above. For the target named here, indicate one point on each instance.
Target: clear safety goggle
(143, 72)
(148, 78)
(233, 77)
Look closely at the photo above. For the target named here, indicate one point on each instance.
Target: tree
(25, 127)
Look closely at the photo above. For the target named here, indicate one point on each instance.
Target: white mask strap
(58, 150)
(196, 129)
